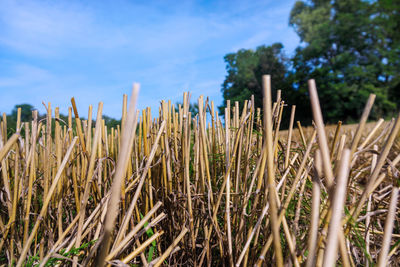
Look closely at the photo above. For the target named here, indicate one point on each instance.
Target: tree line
(350, 47)
(27, 116)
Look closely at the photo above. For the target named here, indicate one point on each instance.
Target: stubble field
(193, 189)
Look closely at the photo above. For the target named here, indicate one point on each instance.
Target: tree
(193, 108)
(387, 17)
(245, 69)
(26, 116)
(351, 49)
(111, 122)
(26, 112)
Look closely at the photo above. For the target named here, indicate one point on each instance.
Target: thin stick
(133, 232)
(122, 162)
(60, 239)
(4, 150)
(289, 141)
(383, 256)
(128, 214)
(46, 203)
(247, 244)
(379, 165)
(89, 177)
(270, 175)
(228, 188)
(142, 247)
(316, 194)
(78, 125)
(303, 139)
(323, 144)
(368, 218)
(335, 139)
(168, 251)
(337, 210)
(371, 134)
(361, 125)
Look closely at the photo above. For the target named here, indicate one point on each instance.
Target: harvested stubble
(189, 189)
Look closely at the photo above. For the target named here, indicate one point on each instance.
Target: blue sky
(94, 50)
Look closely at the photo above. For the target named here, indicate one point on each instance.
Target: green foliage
(352, 50)
(34, 260)
(245, 69)
(111, 122)
(350, 47)
(193, 108)
(26, 115)
(31, 260)
(153, 247)
(26, 112)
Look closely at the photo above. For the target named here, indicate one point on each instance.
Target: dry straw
(185, 188)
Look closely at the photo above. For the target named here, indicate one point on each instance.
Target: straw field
(188, 189)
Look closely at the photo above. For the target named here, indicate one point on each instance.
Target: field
(195, 190)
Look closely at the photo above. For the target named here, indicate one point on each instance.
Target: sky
(51, 51)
